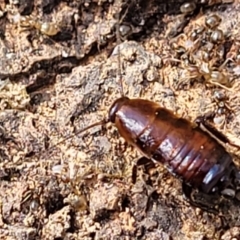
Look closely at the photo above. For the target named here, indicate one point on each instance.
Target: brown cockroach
(191, 151)
(188, 152)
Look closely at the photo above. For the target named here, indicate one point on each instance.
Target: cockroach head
(116, 107)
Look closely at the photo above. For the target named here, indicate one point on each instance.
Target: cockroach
(191, 151)
(187, 149)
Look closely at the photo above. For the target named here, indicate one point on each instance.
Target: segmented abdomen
(188, 152)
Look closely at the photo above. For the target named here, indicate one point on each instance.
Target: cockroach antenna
(119, 75)
(102, 122)
(119, 70)
(118, 38)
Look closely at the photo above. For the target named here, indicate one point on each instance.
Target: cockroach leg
(202, 203)
(143, 161)
(187, 191)
(202, 122)
(134, 174)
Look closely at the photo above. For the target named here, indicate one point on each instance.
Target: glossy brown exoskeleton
(188, 152)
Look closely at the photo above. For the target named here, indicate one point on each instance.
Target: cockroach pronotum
(190, 150)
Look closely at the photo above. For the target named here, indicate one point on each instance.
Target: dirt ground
(60, 67)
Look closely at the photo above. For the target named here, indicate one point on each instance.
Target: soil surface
(61, 65)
